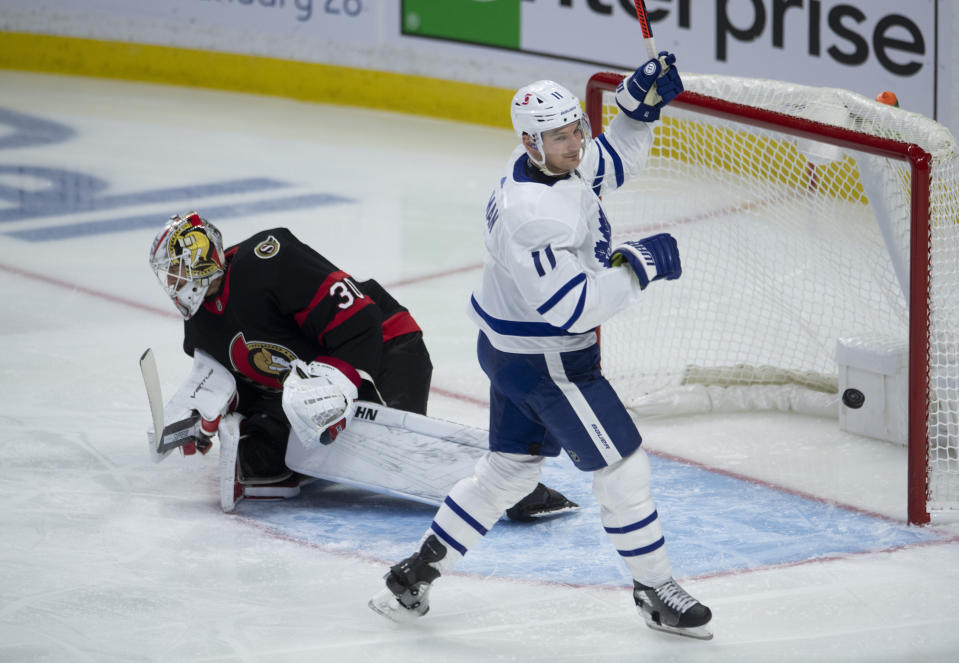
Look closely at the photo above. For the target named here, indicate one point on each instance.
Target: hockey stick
(177, 434)
(151, 380)
(644, 25)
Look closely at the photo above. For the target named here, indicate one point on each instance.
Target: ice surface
(789, 529)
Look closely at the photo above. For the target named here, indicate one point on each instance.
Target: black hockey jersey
(280, 300)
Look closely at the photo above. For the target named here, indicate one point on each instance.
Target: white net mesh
(788, 245)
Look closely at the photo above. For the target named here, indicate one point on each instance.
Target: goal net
(819, 233)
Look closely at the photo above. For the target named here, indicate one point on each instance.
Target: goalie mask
(187, 256)
(546, 105)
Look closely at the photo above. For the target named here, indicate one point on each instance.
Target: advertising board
(863, 45)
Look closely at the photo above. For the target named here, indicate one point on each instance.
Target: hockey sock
(630, 519)
(475, 503)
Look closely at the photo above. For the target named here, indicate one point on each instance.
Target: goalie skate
(670, 609)
(543, 501)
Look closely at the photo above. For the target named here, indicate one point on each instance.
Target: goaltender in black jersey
(302, 339)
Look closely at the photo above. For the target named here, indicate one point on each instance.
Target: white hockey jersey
(546, 281)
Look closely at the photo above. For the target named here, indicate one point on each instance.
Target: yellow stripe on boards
(328, 84)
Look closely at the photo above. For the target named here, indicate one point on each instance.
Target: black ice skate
(669, 608)
(540, 502)
(406, 595)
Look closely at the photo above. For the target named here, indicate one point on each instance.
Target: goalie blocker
(193, 413)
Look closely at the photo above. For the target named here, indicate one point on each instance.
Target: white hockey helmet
(187, 256)
(546, 105)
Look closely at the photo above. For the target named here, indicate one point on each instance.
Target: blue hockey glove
(652, 86)
(653, 258)
(669, 85)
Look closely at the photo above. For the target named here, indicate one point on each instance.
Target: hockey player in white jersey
(549, 278)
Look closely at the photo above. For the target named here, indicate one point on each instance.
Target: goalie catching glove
(318, 400)
(652, 86)
(653, 258)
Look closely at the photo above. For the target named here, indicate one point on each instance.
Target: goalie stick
(178, 433)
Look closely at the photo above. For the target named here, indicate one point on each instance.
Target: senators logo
(191, 245)
(263, 363)
(267, 248)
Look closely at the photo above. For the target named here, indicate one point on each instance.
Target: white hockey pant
(630, 519)
(475, 503)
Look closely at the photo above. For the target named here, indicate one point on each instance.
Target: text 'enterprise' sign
(862, 45)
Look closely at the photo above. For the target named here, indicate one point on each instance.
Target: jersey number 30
(347, 292)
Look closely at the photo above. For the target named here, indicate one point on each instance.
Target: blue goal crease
(713, 524)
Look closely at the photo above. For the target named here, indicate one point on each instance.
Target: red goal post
(768, 170)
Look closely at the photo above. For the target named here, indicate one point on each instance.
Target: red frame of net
(920, 162)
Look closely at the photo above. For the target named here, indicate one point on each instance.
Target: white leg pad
(630, 519)
(475, 503)
(228, 434)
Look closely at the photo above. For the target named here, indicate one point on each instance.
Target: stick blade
(151, 381)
